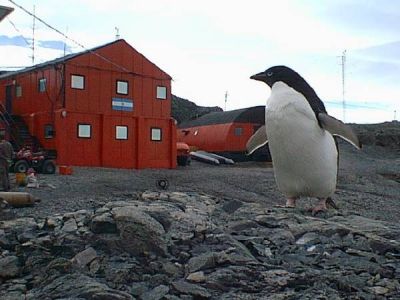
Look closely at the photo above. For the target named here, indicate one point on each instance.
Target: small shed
(104, 107)
(225, 133)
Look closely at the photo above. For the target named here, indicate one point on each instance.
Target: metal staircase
(18, 130)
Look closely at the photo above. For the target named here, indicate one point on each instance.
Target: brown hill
(183, 109)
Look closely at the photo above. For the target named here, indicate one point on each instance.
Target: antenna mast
(226, 98)
(33, 37)
(116, 33)
(343, 64)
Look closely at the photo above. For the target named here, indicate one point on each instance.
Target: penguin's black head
(295, 81)
(277, 73)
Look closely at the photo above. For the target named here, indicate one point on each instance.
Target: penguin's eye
(269, 74)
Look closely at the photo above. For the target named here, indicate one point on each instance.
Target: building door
(9, 98)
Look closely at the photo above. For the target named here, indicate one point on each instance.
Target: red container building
(225, 133)
(106, 107)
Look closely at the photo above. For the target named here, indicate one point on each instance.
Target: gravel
(368, 184)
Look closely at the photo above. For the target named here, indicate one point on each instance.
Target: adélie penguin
(301, 138)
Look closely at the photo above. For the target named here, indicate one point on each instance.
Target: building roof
(4, 11)
(61, 60)
(254, 114)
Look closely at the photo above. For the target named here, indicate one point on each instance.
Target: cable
(357, 105)
(68, 38)
(17, 30)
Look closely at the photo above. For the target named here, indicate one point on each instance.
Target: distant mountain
(183, 109)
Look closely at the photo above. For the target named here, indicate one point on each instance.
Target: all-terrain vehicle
(40, 161)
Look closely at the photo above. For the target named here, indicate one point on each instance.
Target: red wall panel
(217, 138)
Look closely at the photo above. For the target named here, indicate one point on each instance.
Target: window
(238, 131)
(122, 87)
(18, 91)
(161, 92)
(48, 131)
(121, 132)
(156, 134)
(78, 82)
(42, 85)
(84, 131)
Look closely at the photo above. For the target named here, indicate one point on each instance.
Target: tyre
(21, 166)
(182, 160)
(48, 167)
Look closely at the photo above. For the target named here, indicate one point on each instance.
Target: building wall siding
(65, 107)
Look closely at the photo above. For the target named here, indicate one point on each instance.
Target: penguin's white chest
(303, 154)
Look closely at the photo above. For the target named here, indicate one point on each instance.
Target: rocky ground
(213, 234)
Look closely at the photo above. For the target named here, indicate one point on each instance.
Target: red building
(225, 133)
(105, 107)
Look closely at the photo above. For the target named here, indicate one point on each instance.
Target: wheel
(182, 160)
(48, 167)
(21, 166)
(162, 183)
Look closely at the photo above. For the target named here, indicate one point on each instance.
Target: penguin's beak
(260, 76)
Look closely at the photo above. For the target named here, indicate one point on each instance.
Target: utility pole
(343, 64)
(33, 36)
(116, 33)
(65, 41)
(226, 99)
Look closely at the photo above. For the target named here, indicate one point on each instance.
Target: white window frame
(161, 92)
(42, 85)
(18, 91)
(122, 87)
(48, 131)
(121, 132)
(156, 134)
(77, 82)
(84, 131)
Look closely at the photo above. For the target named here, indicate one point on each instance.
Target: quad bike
(39, 161)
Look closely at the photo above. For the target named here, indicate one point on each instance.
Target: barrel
(20, 179)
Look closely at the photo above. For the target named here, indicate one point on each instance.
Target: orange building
(106, 107)
(225, 133)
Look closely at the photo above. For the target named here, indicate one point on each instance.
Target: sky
(211, 48)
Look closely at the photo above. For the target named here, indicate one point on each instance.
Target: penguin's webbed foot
(320, 207)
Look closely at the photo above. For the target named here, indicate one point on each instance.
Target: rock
(202, 262)
(79, 286)
(103, 223)
(231, 206)
(9, 267)
(307, 238)
(18, 225)
(155, 294)
(139, 232)
(191, 289)
(176, 245)
(70, 226)
(197, 277)
(84, 258)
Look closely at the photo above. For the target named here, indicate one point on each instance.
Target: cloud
(57, 45)
(14, 41)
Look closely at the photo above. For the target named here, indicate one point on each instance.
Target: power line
(17, 30)
(352, 105)
(68, 38)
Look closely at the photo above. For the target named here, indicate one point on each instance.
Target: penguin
(301, 138)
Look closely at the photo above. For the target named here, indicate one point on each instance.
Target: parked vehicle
(183, 154)
(40, 161)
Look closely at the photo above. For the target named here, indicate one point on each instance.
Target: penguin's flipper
(257, 140)
(338, 128)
